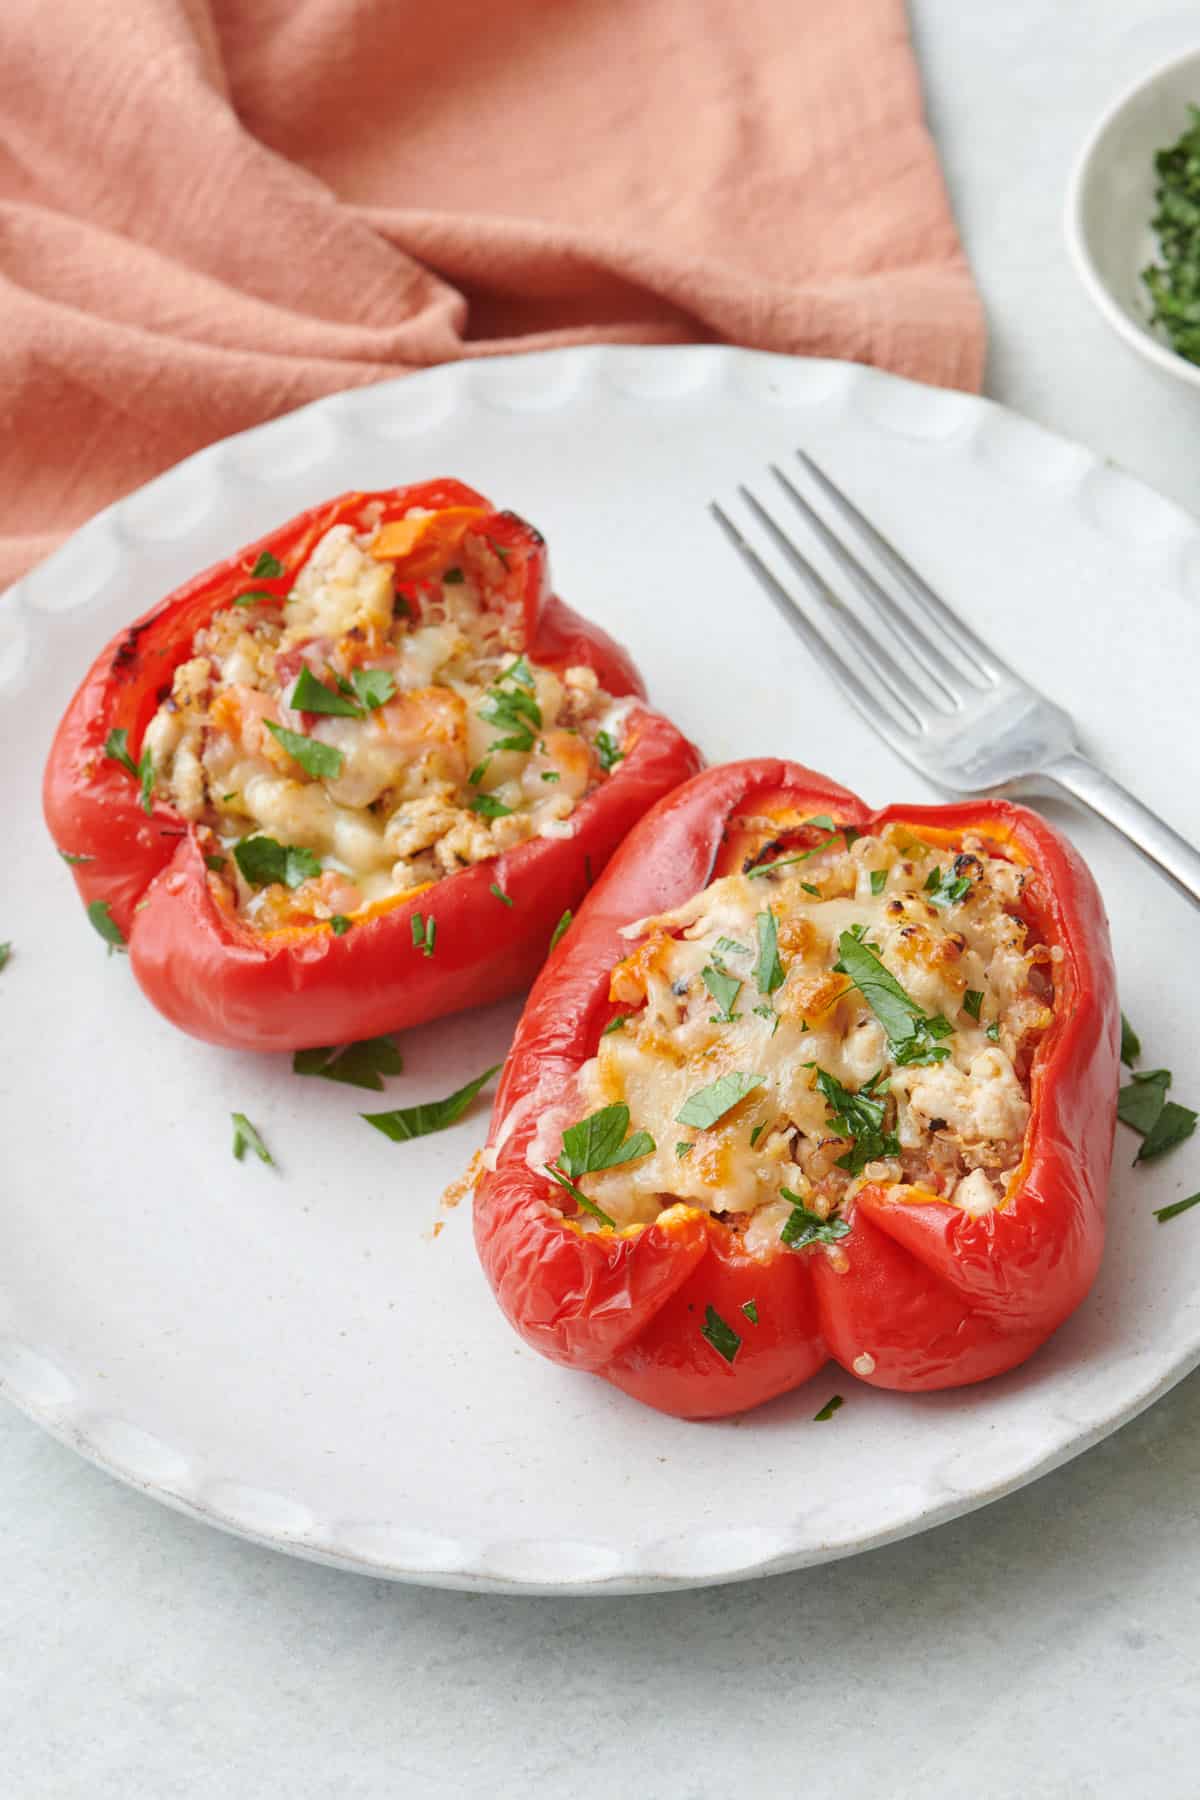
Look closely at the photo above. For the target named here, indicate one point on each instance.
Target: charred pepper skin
(218, 979)
(923, 1296)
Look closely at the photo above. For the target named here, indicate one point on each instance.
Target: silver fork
(968, 722)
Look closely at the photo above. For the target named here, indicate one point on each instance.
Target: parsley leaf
(599, 1142)
(246, 1138)
(829, 1408)
(878, 880)
(785, 862)
(810, 889)
(608, 750)
(488, 807)
(267, 567)
(614, 1024)
(253, 597)
(311, 695)
(724, 989)
(947, 889)
(581, 1199)
(315, 758)
(1131, 1043)
(453, 577)
(910, 1031)
(768, 970)
(116, 747)
(358, 1065)
(75, 860)
(993, 1031)
(804, 1227)
(560, 929)
(858, 1116)
(723, 1338)
(1174, 284)
(510, 704)
(100, 913)
(730, 947)
(750, 1308)
(972, 1001)
(339, 924)
(374, 687)
(500, 894)
(1163, 1213)
(5, 953)
(708, 1104)
(263, 860)
(1141, 1100)
(684, 1147)
(432, 1115)
(214, 862)
(1173, 1125)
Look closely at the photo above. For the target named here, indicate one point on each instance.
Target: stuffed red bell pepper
(807, 1081)
(350, 779)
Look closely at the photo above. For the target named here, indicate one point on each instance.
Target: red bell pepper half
(218, 978)
(942, 1298)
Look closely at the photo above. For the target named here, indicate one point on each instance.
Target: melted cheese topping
(945, 925)
(418, 787)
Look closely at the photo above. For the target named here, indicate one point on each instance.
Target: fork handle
(1157, 842)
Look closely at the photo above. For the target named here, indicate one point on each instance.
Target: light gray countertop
(1042, 1647)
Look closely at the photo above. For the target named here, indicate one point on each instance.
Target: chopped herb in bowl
(1174, 283)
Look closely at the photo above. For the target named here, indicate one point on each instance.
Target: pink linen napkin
(212, 211)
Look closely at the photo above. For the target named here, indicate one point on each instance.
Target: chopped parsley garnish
(1173, 1125)
(255, 597)
(500, 894)
(503, 551)
(878, 880)
(246, 1138)
(116, 747)
(74, 860)
(580, 1198)
(993, 1031)
(858, 1116)
(614, 1024)
(750, 1308)
(724, 989)
(511, 705)
(829, 1408)
(1141, 1100)
(1163, 1213)
(263, 860)
(785, 862)
(1131, 1043)
(560, 929)
(315, 758)
(1174, 284)
(488, 807)
(765, 1011)
(972, 1001)
(910, 1031)
(947, 889)
(100, 913)
(822, 822)
(804, 1227)
(5, 953)
(358, 1065)
(214, 862)
(683, 1148)
(810, 889)
(311, 695)
(608, 750)
(730, 947)
(432, 1115)
(424, 932)
(599, 1142)
(723, 1338)
(768, 970)
(551, 775)
(757, 1132)
(374, 687)
(267, 568)
(453, 577)
(708, 1104)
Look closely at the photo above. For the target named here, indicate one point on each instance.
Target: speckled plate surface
(296, 1355)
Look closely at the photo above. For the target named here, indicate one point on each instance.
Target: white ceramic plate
(294, 1355)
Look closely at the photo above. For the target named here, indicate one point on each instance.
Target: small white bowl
(1110, 202)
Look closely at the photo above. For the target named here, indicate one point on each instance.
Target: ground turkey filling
(867, 1014)
(437, 743)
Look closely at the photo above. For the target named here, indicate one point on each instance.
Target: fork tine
(924, 652)
(935, 609)
(879, 660)
(831, 659)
